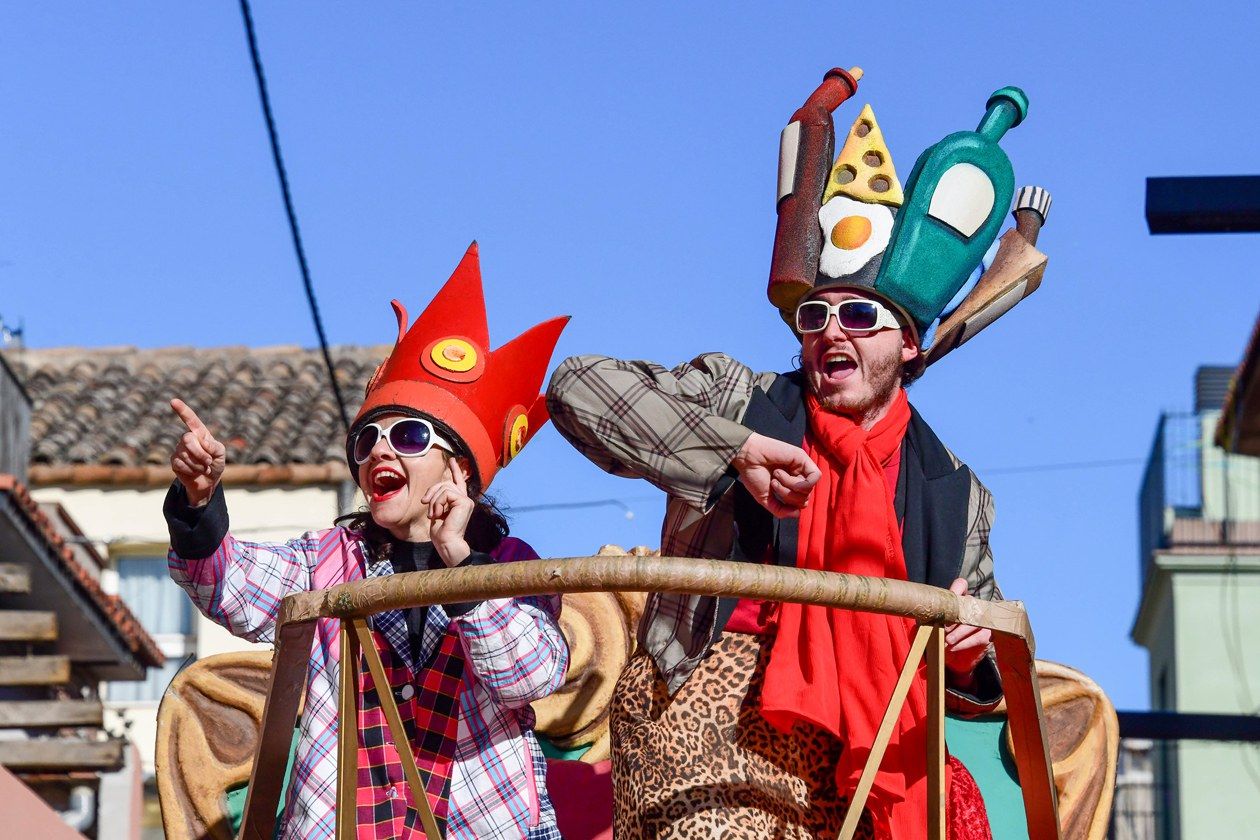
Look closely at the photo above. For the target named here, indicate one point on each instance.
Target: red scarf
(837, 668)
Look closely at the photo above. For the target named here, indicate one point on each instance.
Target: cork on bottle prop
(1015, 274)
(805, 157)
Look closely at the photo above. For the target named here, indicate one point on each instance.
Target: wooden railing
(932, 608)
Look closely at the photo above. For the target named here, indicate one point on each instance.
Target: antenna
(12, 336)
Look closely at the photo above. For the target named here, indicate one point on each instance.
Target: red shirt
(757, 616)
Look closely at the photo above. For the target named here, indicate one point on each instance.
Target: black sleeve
(724, 483)
(477, 558)
(987, 690)
(195, 532)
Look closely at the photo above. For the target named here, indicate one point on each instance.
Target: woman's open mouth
(386, 482)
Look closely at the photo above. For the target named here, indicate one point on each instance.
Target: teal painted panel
(979, 744)
(550, 750)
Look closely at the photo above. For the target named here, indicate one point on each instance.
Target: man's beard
(883, 378)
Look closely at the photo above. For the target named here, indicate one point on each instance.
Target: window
(165, 612)
(160, 605)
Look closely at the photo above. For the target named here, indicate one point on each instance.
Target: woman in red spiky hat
(442, 415)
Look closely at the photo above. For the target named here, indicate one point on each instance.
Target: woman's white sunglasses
(853, 315)
(409, 437)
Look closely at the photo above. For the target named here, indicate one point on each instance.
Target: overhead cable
(288, 209)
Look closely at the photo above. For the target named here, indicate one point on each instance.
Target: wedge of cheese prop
(864, 170)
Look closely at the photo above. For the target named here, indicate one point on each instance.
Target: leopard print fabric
(708, 765)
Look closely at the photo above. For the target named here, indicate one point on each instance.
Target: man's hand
(965, 645)
(199, 459)
(777, 474)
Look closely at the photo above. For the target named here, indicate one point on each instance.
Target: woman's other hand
(450, 509)
(199, 459)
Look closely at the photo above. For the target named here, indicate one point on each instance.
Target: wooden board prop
(208, 726)
(1084, 739)
(1015, 274)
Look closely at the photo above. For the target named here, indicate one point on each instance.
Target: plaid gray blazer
(680, 429)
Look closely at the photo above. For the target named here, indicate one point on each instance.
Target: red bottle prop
(806, 149)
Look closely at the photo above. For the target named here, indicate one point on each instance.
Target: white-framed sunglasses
(853, 315)
(409, 437)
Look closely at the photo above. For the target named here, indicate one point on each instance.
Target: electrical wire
(288, 209)
(1066, 465)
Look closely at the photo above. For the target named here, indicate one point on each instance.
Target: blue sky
(618, 164)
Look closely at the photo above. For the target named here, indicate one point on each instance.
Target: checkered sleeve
(977, 569)
(977, 565)
(239, 585)
(676, 428)
(514, 646)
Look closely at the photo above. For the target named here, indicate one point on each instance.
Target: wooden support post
(419, 793)
(34, 670)
(34, 714)
(27, 626)
(936, 734)
(284, 694)
(348, 735)
(15, 578)
(895, 703)
(1028, 734)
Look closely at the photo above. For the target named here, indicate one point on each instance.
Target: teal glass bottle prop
(956, 198)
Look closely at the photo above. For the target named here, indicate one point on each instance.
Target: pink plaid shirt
(513, 650)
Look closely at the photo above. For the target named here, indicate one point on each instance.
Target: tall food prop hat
(443, 367)
(929, 249)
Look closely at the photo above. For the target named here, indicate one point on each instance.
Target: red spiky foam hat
(443, 367)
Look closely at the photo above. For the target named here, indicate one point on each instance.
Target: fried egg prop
(853, 233)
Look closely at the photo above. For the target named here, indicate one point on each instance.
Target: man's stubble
(883, 378)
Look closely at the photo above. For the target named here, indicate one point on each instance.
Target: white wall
(119, 516)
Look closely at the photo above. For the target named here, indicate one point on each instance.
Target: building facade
(102, 432)
(62, 636)
(1199, 615)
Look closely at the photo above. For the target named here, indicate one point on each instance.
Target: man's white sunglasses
(853, 315)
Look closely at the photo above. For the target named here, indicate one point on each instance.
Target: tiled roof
(139, 642)
(108, 408)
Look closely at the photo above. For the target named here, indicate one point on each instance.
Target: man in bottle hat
(742, 718)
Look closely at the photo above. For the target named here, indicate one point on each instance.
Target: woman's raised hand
(450, 508)
(198, 459)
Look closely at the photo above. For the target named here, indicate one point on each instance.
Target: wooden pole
(1028, 736)
(284, 694)
(419, 793)
(348, 736)
(936, 734)
(882, 736)
(925, 604)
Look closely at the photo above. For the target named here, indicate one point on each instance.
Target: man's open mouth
(837, 366)
(386, 482)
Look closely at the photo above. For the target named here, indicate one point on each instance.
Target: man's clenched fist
(777, 474)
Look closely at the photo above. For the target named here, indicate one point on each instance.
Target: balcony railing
(1193, 494)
